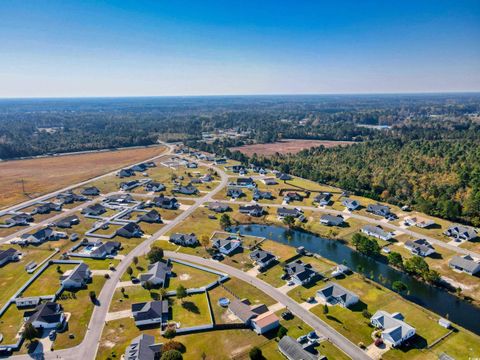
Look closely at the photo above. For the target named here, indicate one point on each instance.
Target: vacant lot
(44, 175)
(287, 146)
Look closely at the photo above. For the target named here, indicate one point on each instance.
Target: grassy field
(287, 146)
(49, 281)
(192, 311)
(44, 175)
(10, 324)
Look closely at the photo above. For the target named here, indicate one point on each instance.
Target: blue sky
(173, 47)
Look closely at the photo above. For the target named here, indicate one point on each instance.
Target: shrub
(255, 354)
(172, 355)
(173, 345)
(170, 333)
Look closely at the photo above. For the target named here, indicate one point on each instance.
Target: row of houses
(128, 172)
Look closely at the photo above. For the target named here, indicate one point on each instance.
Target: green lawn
(245, 290)
(273, 276)
(10, 324)
(190, 277)
(49, 281)
(133, 294)
(192, 311)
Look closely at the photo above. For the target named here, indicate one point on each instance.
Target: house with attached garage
(245, 182)
(94, 210)
(282, 176)
(336, 294)
(143, 347)
(418, 222)
(300, 273)
(262, 258)
(186, 190)
(219, 207)
(395, 329)
(377, 232)
(184, 239)
(206, 178)
(165, 202)
(97, 249)
(119, 199)
(465, 263)
(157, 274)
(252, 210)
(461, 233)
(67, 222)
(235, 192)
(260, 195)
(77, 277)
(154, 186)
(47, 208)
(228, 245)
(258, 317)
(379, 209)
(420, 247)
(129, 185)
(150, 313)
(90, 191)
(293, 350)
(151, 217)
(48, 315)
(9, 255)
(125, 173)
(284, 212)
(39, 236)
(19, 219)
(237, 168)
(129, 230)
(350, 204)
(292, 196)
(70, 197)
(269, 181)
(323, 199)
(331, 220)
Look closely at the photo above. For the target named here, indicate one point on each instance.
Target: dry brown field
(286, 146)
(44, 175)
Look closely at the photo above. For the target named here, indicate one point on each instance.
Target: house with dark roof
(461, 233)
(165, 202)
(237, 168)
(67, 222)
(125, 173)
(269, 181)
(206, 178)
(293, 350)
(336, 294)
(129, 185)
(292, 196)
(252, 210)
(300, 273)
(77, 277)
(350, 204)
(418, 221)
(228, 245)
(465, 263)
(119, 198)
(47, 208)
(90, 191)
(98, 249)
(39, 236)
(19, 219)
(245, 182)
(219, 207)
(70, 197)
(151, 217)
(8, 255)
(420, 247)
(47, 315)
(129, 230)
(94, 210)
(139, 167)
(154, 186)
(234, 192)
(282, 176)
(331, 220)
(379, 209)
(262, 258)
(258, 316)
(186, 190)
(284, 212)
(184, 239)
(395, 330)
(143, 347)
(157, 274)
(260, 195)
(151, 312)
(377, 232)
(323, 199)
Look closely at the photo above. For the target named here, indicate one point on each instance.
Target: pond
(435, 299)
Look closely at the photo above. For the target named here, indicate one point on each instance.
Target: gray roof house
(284, 212)
(379, 209)
(377, 232)
(252, 210)
(292, 196)
(157, 274)
(8, 255)
(420, 247)
(154, 186)
(90, 191)
(218, 207)
(186, 190)
(282, 176)
(143, 347)
(119, 198)
(260, 195)
(100, 250)
(350, 204)
(48, 315)
(39, 236)
(125, 173)
(235, 192)
(67, 222)
(151, 216)
(184, 239)
(323, 199)
(293, 350)
(20, 219)
(165, 202)
(461, 232)
(465, 263)
(331, 220)
(129, 185)
(94, 210)
(262, 258)
(300, 273)
(151, 312)
(47, 208)
(129, 230)
(337, 294)
(228, 245)
(245, 182)
(395, 330)
(77, 277)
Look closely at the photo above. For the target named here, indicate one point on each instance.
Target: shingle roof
(293, 350)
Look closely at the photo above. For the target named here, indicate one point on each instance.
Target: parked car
(52, 335)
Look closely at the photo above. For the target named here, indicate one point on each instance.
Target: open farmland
(44, 175)
(287, 146)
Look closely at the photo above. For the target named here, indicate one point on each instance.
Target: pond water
(435, 299)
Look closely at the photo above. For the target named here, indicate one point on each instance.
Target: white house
(48, 315)
(395, 330)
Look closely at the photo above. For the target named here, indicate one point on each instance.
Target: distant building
(165, 202)
(68, 222)
(94, 210)
(465, 263)
(418, 222)
(331, 220)
(151, 217)
(228, 245)
(252, 210)
(184, 239)
(129, 230)
(90, 191)
(337, 294)
(8, 255)
(378, 209)
(461, 233)
(219, 207)
(323, 199)
(284, 212)
(377, 232)
(350, 204)
(420, 247)
(154, 186)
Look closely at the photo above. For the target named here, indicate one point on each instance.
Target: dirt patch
(184, 277)
(287, 146)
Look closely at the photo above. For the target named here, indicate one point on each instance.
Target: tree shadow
(333, 318)
(191, 307)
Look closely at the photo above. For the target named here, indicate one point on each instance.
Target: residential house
(461, 233)
(395, 329)
(418, 222)
(379, 209)
(67, 222)
(323, 199)
(245, 182)
(420, 247)
(237, 168)
(143, 347)
(47, 315)
(252, 210)
(377, 232)
(129, 185)
(129, 230)
(282, 176)
(206, 178)
(300, 273)
(77, 277)
(269, 181)
(284, 212)
(258, 316)
(235, 192)
(340, 270)
(46, 208)
(265, 322)
(262, 258)
(125, 173)
(331, 220)
(19, 219)
(39, 236)
(293, 350)
(184, 239)
(219, 207)
(157, 274)
(154, 186)
(220, 161)
(465, 263)
(119, 199)
(292, 196)
(192, 165)
(94, 210)
(151, 312)
(91, 191)
(350, 204)
(139, 167)
(165, 202)
(228, 245)
(260, 195)
(98, 249)
(335, 294)
(186, 190)
(70, 197)
(151, 217)
(8, 255)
